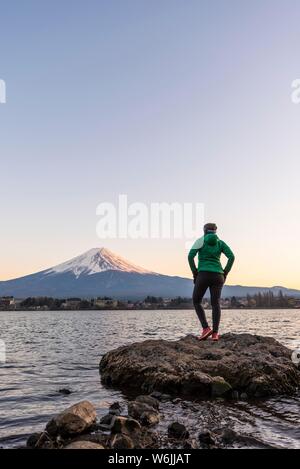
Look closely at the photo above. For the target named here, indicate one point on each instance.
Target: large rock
(258, 366)
(75, 420)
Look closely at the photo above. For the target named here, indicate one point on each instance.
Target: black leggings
(214, 282)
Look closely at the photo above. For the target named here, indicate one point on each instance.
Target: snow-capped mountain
(94, 261)
(100, 272)
(97, 272)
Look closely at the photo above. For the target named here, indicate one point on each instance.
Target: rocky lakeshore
(172, 391)
(136, 425)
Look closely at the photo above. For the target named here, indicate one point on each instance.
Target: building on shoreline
(7, 303)
(105, 303)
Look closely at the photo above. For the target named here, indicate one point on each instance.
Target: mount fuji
(97, 272)
(95, 261)
(100, 272)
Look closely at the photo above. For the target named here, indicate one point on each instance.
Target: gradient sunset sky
(162, 100)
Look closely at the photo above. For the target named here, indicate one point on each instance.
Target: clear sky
(162, 100)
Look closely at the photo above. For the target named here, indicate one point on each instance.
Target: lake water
(47, 351)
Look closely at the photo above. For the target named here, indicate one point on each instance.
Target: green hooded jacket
(209, 249)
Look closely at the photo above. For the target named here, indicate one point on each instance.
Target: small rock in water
(107, 419)
(73, 421)
(149, 400)
(190, 444)
(115, 406)
(65, 391)
(177, 430)
(150, 418)
(143, 412)
(244, 396)
(156, 395)
(125, 426)
(120, 441)
(229, 436)
(206, 438)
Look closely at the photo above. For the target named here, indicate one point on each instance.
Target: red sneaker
(205, 333)
(215, 337)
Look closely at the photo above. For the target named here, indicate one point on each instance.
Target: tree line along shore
(257, 301)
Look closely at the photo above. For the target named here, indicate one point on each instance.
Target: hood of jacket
(211, 239)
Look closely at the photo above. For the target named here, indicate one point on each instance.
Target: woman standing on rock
(210, 274)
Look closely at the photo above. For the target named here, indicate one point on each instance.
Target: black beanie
(210, 227)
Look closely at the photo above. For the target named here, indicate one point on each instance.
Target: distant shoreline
(43, 303)
(146, 309)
